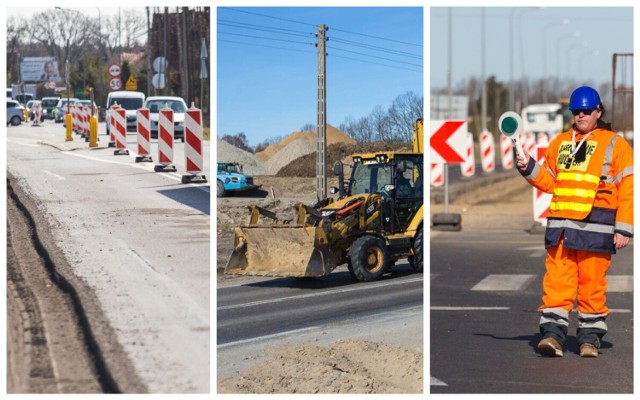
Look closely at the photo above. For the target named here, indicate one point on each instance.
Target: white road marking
(536, 251)
(619, 283)
(324, 293)
(448, 308)
(267, 337)
(437, 382)
(502, 282)
(144, 166)
(61, 178)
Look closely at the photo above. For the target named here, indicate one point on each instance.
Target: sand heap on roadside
(227, 152)
(278, 155)
(297, 144)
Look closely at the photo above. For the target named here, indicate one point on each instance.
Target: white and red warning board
(541, 200)
(448, 141)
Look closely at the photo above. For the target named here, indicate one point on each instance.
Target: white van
(129, 100)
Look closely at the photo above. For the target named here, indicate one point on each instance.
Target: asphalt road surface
(139, 240)
(486, 284)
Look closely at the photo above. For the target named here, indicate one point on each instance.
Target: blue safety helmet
(584, 98)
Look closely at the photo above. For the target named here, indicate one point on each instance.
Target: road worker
(589, 171)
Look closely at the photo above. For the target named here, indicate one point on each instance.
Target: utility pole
(321, 170)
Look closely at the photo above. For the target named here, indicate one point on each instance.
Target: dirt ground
(345, 366)
(354, 365)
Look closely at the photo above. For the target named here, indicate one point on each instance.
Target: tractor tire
(369, 258)
(417, 260)
(220, 188)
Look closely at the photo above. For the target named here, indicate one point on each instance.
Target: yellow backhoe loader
(376, 220)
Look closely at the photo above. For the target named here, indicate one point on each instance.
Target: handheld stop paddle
(510, 125)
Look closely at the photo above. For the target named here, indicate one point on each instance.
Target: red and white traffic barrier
(506, 150)
(165, 141)
(530, 142)
(119, 129)
(541, 200)
(194, 159)
(143, 124)
(487, 151)
(112, 136)
(468, 166)
(437, 174)
(542, 139)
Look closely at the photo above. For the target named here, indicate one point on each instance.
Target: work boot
(588, 350)
(550, 347)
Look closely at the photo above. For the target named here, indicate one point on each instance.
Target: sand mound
(287, 154)
(333, 136)
(227, 152)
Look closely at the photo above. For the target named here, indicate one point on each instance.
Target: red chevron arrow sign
(448, 141)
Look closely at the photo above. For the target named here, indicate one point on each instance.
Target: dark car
(48, 105)
(61, 108)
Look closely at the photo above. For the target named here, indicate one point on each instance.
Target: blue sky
(579, 42)
(268, 88)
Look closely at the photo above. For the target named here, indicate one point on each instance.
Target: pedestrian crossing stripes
(519, 282)
(504, 282)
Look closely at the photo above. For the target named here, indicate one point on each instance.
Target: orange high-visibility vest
(598, 191)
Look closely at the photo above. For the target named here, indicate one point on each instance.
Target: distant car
(131, 101)
(48, 105)
(15, 113)
(61, 108)
(179, 107)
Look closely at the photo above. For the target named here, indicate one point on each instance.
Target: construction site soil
(286, 172)
(374, 366)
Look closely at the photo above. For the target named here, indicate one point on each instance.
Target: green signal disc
(509, 125)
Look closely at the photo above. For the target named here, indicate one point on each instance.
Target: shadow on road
(190, 196)
(333, 280)
(570, 345)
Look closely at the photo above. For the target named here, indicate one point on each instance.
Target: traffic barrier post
(93, 131)
(194, 159)
(165, 141)
(143, 124)
(120, 129)
(468, 166)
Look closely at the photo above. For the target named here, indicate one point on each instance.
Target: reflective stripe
(572, 176)
(594, 321)
(534, 173)
(582, 226)
(621, 226)
(625, 172)
(568, 205)
(608, 156)
(590, 194)
(558, 316)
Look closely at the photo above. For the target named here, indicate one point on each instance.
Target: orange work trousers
(575, 273)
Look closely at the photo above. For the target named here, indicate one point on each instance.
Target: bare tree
(63, 33)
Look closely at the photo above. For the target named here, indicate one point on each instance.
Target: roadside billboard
(39, 69)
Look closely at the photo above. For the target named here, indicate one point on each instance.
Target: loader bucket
(280, 250)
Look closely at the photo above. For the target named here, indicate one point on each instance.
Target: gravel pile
(279, 155)
(251, 164)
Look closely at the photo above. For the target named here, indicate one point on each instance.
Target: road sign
(78, 92)
(114, 70)
(115, 84)
(160, 64)
(131, 84)
(158, 81)
(448, 141)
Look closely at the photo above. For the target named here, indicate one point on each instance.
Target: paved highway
(139, 239)
(486, 284)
